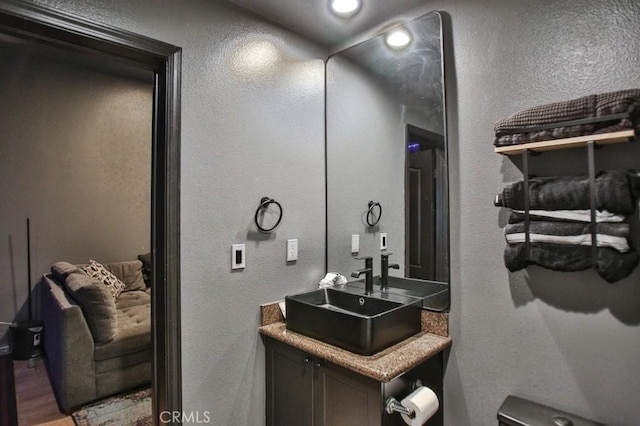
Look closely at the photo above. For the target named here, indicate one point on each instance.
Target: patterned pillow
(97, 270)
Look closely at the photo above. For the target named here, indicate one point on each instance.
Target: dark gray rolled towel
(616, 191)
(610, 265)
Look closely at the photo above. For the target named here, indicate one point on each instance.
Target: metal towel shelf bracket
(591, 146)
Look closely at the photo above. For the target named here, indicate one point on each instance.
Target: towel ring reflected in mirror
(372, 220)
(262, 208)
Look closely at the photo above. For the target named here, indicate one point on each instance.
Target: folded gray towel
(516, 216)
(612, 235)
(548, 227)
(520, 127)
(616, 191)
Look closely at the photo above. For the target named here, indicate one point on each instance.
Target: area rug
(131, 409)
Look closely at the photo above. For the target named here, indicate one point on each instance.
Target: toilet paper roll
(424, 403)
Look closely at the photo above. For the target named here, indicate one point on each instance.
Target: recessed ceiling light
(344, 8)
(398, 38)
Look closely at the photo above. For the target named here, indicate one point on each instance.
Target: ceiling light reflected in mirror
(398, 38)
(344, 8)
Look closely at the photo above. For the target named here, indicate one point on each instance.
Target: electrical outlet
(383, 241)
(355, 243)
(292, 250)
(237, 256)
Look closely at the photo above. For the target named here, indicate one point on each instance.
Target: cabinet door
(344, 398)
(289, 386)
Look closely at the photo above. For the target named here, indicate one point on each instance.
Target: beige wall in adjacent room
(75, 155)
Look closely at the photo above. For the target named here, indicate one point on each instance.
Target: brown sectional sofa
(95, 345)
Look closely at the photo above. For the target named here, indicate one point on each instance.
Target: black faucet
(384, 271)
(368, 278)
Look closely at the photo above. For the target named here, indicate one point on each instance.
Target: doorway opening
(75, 34)
(425, 190)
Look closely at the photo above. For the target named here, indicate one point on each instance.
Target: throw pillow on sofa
(61, 270)
(130, 272)
(147, 267)
(97, 270)
(97, 304)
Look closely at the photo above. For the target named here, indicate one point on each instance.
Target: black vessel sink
(434, 294)
(355, 322)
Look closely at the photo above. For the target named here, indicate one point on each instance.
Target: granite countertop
(382, 366)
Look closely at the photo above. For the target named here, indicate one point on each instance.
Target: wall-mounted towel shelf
(599, 119)
(588, 142)
(567, 143)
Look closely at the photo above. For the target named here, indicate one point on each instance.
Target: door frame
(436, 143)
(58, 28)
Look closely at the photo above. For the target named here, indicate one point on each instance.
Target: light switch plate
(383, 241)
(237, 256)
(355, 243)
(292, 250)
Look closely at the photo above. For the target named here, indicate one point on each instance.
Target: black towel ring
(264, 204)
(374, 221)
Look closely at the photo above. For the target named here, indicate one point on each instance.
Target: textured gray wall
(565, 339)
(252, 126)
(366, 126)
(569, 340)
(365, 161)
(75, 153)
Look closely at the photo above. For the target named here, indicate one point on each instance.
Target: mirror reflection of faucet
(368, 271)
(384, 271)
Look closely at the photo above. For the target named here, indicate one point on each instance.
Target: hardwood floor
(36, 402)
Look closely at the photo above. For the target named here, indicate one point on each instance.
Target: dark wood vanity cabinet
(289, 374)
(305, 390)
(342, 397)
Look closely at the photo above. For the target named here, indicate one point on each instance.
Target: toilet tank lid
(517, 411)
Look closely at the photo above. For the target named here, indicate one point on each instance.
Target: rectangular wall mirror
(387, 144)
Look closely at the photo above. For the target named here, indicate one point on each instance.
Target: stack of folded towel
(559, 223)
(588, 115)
(560, 232)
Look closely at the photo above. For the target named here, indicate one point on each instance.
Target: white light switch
(383, 241)
(355, 243)
(237, 256)
(292, 250)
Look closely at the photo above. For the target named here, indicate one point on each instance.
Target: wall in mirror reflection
(386, 142)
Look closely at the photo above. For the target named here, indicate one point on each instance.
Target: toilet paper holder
(392, 405)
